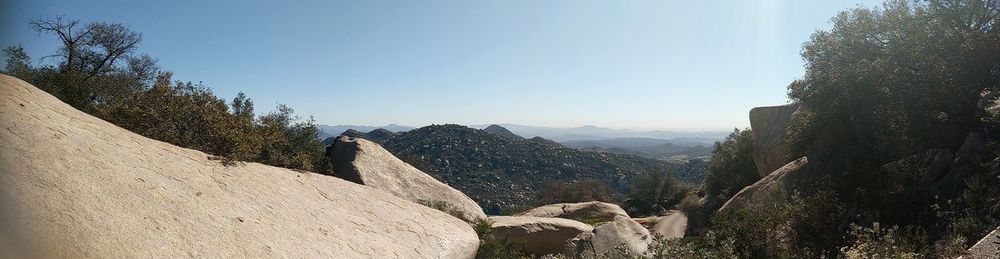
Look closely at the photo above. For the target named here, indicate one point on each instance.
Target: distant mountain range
(679, 149)
(499, 171)
(675, 146)
(562, 135)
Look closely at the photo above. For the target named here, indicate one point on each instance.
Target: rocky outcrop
(536, 235)
(619, 233)
(988, 247)
(593, 211)
(768, 125)
(965, 164)
(780, 184)
(74, 186)
(364, 162)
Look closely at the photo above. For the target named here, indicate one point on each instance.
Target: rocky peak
(497, 129)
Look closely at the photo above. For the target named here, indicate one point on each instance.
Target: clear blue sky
(620, 64)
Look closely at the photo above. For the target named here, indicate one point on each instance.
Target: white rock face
(74, 186)
(365, 162)
(537, 235)
(606, 238)
(768, 125)
(577, 211)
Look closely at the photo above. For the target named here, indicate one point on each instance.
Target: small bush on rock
(493, 246)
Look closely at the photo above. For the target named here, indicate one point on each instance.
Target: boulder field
(74, 186)
(556, 229)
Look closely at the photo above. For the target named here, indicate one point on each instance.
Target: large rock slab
(768, 126)
(74, 186)
(365, 162)
(610, 240)
(988, 247)
(780, 184)
(538, 235)
(593, 211)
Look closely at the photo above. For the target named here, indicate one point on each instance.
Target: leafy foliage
(654, 192)
(899, 79)
(579, 191)
(709, 245)
(732, 166)
(880, 242)
(492, 245)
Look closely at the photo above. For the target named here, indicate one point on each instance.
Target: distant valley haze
(582, 133)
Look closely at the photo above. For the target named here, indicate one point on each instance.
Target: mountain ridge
(500, 172)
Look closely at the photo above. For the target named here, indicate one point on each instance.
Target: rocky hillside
(376, 135)
(497, 129)
(499, 172)
(74, 186)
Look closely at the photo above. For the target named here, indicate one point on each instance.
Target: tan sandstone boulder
(768, 125)
(593, 211)
(610, 239)
(74, 186)
(538, 235)
(365, 162)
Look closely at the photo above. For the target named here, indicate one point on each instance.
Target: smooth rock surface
(582, 211)
(779, 184)
(768, 125)
(75, 186)
(606, 238)
(538, 235)
(365, 162)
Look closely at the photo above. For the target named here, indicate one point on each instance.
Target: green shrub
(881, 242)
(708, 245)
(492, 245)
(695, 210)
(732, 166)
(761, 229)
(580, 191)
(651, 193)
(446, 208)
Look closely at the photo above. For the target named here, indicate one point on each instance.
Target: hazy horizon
(476, 125)
(624, 65)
